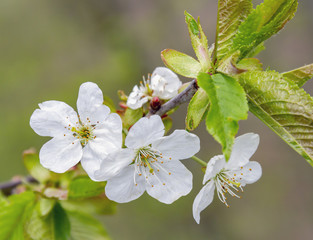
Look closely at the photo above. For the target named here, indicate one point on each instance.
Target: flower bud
(155, 103)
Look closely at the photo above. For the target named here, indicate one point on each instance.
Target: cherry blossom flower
(149, 163)
(75, 137)
(163, 84)
(229, 177)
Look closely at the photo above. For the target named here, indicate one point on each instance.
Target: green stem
(198, 160)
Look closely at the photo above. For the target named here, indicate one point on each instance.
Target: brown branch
(184, 96)
(7, 187)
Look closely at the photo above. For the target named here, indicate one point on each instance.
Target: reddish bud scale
(155, 103)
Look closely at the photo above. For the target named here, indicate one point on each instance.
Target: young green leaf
(254, 52)
(228, 105)
(54, 226)
(83, 187)
(282, 106)
(181, 63)
(300, 75)
(86, 227)
(231, 13)
(168, 123)
(32, 164)
(45, 206)
(199, 42)
(192, 24)
(13, 214)
(109, 102)
(229, 66)
(197, 108)
(250, 64)
(263, 22)
(94, 205)
(131, 117)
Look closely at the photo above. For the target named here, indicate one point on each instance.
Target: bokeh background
(48, 48)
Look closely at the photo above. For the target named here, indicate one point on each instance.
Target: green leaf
(228, 105)
(168, 123)
(197, 108)
(32, 164)
(13, 214)
(45, 206)
(300, 75)
(131, 117)
(192, 24)
(95, 205)
(282, 106)
(86, 227)
(199, 42)
(250, 64)
(256, 51)
(264, 21)
(54, 226)
(181, 63)
(231, 13)
(83, 187)
(229, 66)
(109, 102)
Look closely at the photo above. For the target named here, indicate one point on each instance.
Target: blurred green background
(48, 48)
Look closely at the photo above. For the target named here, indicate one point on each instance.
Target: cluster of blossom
(147, 160)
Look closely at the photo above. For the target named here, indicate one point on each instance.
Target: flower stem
(198, 160)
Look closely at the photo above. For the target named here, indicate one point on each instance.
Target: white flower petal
(179, 145)
(177, 179)
(122, 187)
(90, 104)
(249, 173)
(136, 98)
(60, 154)
(202, 200)
(144, 132)
(244, 147)
(164, 83)
(215, 165)
(108, 135)
(114, 163)
(90, 161)
(53, 119)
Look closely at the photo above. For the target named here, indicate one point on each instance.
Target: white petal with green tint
(202, 200)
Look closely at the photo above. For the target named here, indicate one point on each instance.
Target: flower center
(226, 183)
(145, 157)
(84, 133)
(148, 162)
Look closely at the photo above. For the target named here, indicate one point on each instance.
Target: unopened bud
(155, 103)
(122, 96)
(122, 105)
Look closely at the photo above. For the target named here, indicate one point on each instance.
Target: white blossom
(163, 84)
(84, 137)
(229, 177)
(149, 163)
